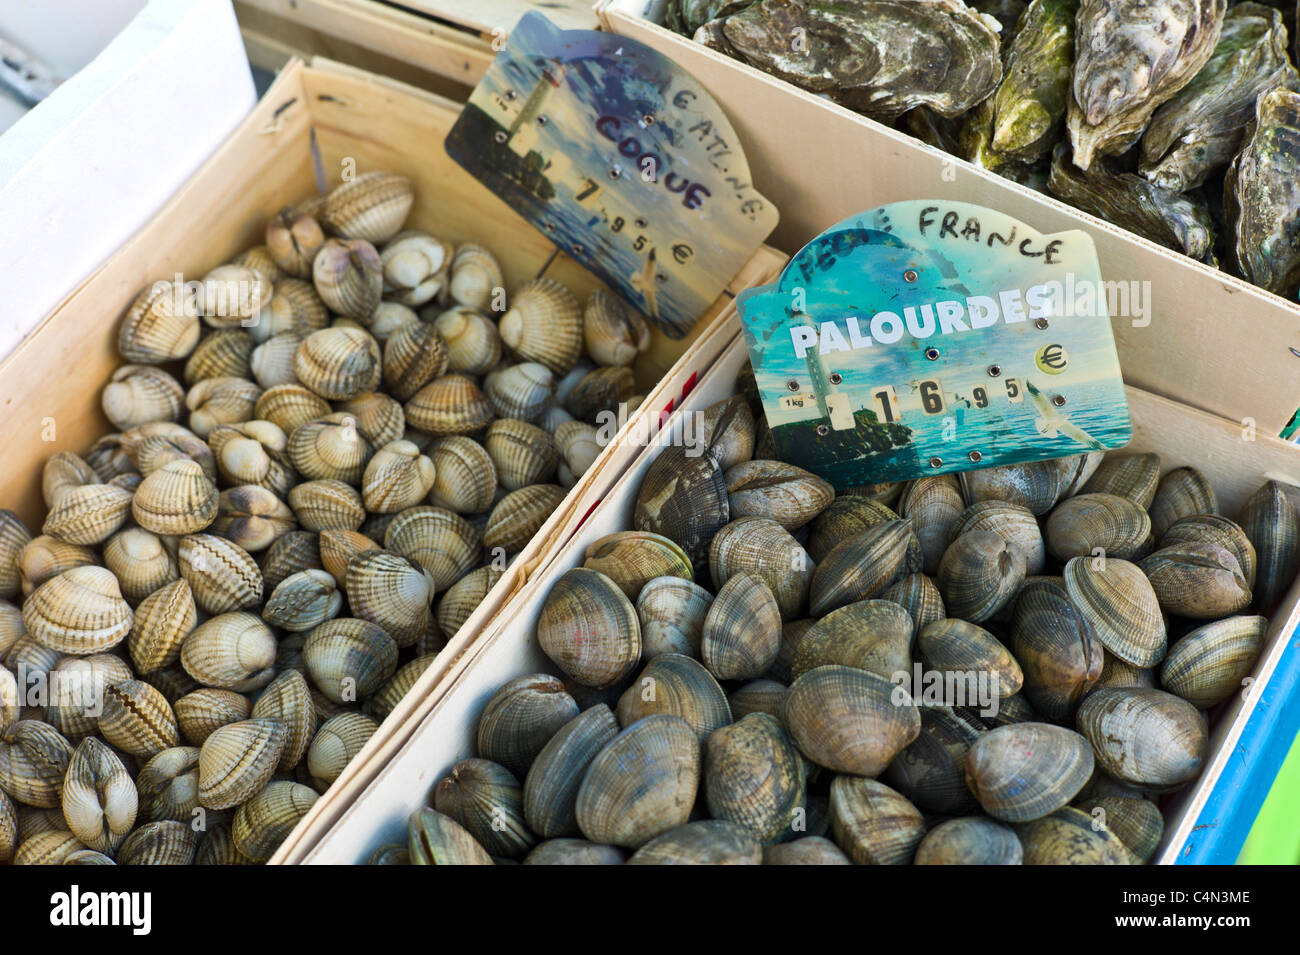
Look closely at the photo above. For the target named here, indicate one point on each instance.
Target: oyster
(1029, 105)
(1201, 128)
(687, 16)
(1261, 196)
(1130, 57)
(1175, 221)
(879, 57)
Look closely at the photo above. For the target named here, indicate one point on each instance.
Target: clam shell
(168, 785)
(874, 824)
(139, 394)
(1120, 606)
(573, 852)
(327, 505)
(614, 334)
(707, 842)
(222, 574)
(463, 597)
(176, 499)
(759, 696)
(215, 401)
(579, 444)
(161, 325)
(380, 419)
(979, 575)
(589, 628)
(933, 505)
(287, 700)
(633, 558)
(671, 612)
(754, 777)
(217, 847)
(237, 760)
(452, 404)
(1026, 771)
(199, 713)
(337, 743)
(151, 446)
(1014, 524)
(544, 324)
(1201, 581)
(294, 308)
(810, 850)
(339, 363)
(781, 492)
(47, 848)
(1136, 821)
(137, 719)
(488, 801)
(399, 684)
(349, 278)
(295, 551)
(266, 820)
(1213, 529)
(1182, 492)
(288, 406)
(475, 276)
(846, 720)
(76, 690)
(1055, 648)
(292, 240)
(414, 356)
(1144, 737)
(1035, 485)
(415, 267)
(520, 718)
(678, 686)
(273, 361)
(331, 447)
(1269, 520)
(1088, 523)
(931, 771)
(443, 543)
(520, 391)
(140, 562)
(303, 600)
(473, 342)
(872, 635)
(969, 841)
(1134, 476)
(33, 761)
(372, 206)
(436, 839)
(81, 611)
(550, 791)
(14, 537)
(465, 479)
(641, 784)
(861, 567)
(917, 594)
(231, 295)
(1070, 837)
(845, 517)
(522, 453)
(954, 647)
(391, 591)
(684, 498)
(89, 514)
(63, 470)
(252, 517)
(520, 515)
(349, 659)
(228, 650)
(603, 395)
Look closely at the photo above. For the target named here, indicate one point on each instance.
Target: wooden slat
(486, 16)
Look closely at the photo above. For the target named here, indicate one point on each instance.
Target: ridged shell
(303, 600)
(473, 342)
(139, 394)
(1036, 485)
(522, 453)
(671, 612)
(273, 361)
(861, 567)
(266, 820)
(76, 690)
(1148, 738)
(14, 536)
(520, 515)
(161, 622)
(1088, 523)
(781, 492)
(415, 267)
(349, 659)
(846, 719)
(228, 650)
(287, 700)
(933, 505)
(1213, 529)
(589, 628)
(349, 278)
(706, 842)
(1182, 492)
(161, 325)
(443, 543)
(215, 401)
(475, 276)
(391, 591)
(436, 839)
(633, 558)
(463, 597)
(1136, 822)
(372, 206)
(230, 296)
(979, 575)
(237, 760)
(1070, 837)
(294, 308)
(579, 444)
(414, 355)
(336, 743)
(327, 505)
(168, 785)
(764, 547)
(1209, 664)
(520, 391)
(1270, 521)
(43, 558)
(137, 719)
(222, 574)
(684, 498)
(465, 478)
(295, 551)
(81, 611)
(1055, 647)
(288, 406)
(1025, 771)
(217, 847)
(292, 239)
(88, 514)
(176, 499)
(602, 395)
(1134, 476)
(917, 594)
(872, 635)
(1014, 524)
(166, 842)
(452, 404)
(331, 447)
(47, 848)
(339, 362)
(544, 324)
(140, 562)
(205, 710)
(550, 790)
(754, 777)
(488, 801)
(678, 686)
(33, 761)
(742, 630)
(338, 547)
(399, 684)
(1121, 607)
(954, 647)
(874, 824)
(614, 334)
(252, 517)
(520, 718)
(1201, 581)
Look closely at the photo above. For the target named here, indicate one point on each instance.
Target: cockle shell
(33, 761)
(273, 362)
(176, 499)
(88, 514)
(371, 206)
(228, 650)
(225, 353)
(473, 342)
(63, 471)
(415, 267)
(81, 611)
(414, 355)
(443, 543)
(614, 334)
(294, 552)
(14, 537)
(475, 276)
(166, 842)
(464, 596)
(522, 453)
(258, 258)
(397, 477)
(291, 405)
(161, 325)
(602, 393)
(287, 700)
(337, 743)
(230, 296)
(519, 515)
(162, 621)
(391, 591)
(140, 561)
(292, 239)
(266, 820)
(348, 276)
(253, 452)
(452, 404)
(138, 394)
(465, 478)
(222, 574)
(520, 391)
(331, 447)
(544, 324)
(390, 318)
(215, 401)
(339, 362)
(327, 505)
(349, 659)
(579, 445)
(252, 517)
(168, 785)
(237, 760)
(137, 719)
(207, 709)
(633, 558)
(47, 848)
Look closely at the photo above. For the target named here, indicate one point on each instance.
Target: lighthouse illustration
(523, 134)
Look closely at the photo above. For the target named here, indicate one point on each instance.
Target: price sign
(935, 337)
(621, 159)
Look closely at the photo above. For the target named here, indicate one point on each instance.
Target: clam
(742, 630)
(327, 504)
(237, 760)
(452, 404)
(264, 821)
(519, 515)
(399, 684)
(251, 517)
(614, 334)
(1090, 523)
(861, 567)
(273, 362)
(339, 362)
(1070, 837)
(415, 267)
(159, 843)
(288, 406)
(76, 692)
(684, 498)
(295, 551)
(522, 391)
(414, 356)
(1025, 771)
(397, 477)
(522, 453)
(633, 558)
(152, 446)
(294, 308)
(442, 543)
(14, 536)
(872, 635)
(199, 713)
(463, 597)
(1052, 641)
(544, 324)
(1034, 485)
(602, 395)
(161, 325)
(331, 447)
(337, 743)
(80, 611)
(979, 575)
(1220, 531)
(287, 700)
(1182, 492)
(222, 575)
(706, 842)
(229, 650)
(292, 240)
(488, 801)
(371, 206)
(678, 686)
(573, 852)
(215, 401)
(589, 628)
(217, 847)
(872, 823)
(931, 770)
(1269, 520)
(846, 719)
(1136, 822)
(1133, 476)
(138, 394)
(253, 452)
(971, 840)
(476, 277)
(231, 295)
(348, 276)
(579, 444)
(178, 498)
(550, 789)
(671, 612)
(728, 431)
(810, 850)
(759, 696)
(472, 340)
(137, 719)
(1201, 581)
(391, 591)
(754, 776)
(845, 517)
(933, 505)
(1120, 607)
(34, 759)
(88, 514)
(303, 601)
(436, 839)
(641, 784)
(781, 492)
(1145, 737)
(465, 479)
(1014, 524)
(520, 718)
(389, 318)
(349, 659)
(917, 594)
(47, 848)
(953, 647)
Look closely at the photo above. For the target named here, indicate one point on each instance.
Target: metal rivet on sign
(995, 370)
(647, 120)
(822, 430)
(792, 385)
(1040, 323)
(909, 275)
(936, 462)
(614, 173)
(836, 378)
(932, 354)
(500, 136)
(509, 94)
(1058, 400)
(541, 120)
(976, 457)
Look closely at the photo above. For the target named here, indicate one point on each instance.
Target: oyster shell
(1030, 103)
(1201, 128)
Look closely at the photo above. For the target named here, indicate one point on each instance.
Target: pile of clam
(738, 674)
(1175, 119)
(311, 486)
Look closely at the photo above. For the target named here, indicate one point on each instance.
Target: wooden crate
(378, 812)
(1214, 342)
(336, 115)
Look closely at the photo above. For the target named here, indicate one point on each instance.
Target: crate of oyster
(1190, 155)
(253, 505)
(746, 640)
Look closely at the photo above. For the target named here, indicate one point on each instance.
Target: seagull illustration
(645, 284)
(1052, 421)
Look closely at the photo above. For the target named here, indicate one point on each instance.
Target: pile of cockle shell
(230, 592)
(733, 668)
(1175, 119)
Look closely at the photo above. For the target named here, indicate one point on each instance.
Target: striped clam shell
(442, 543)
(228, 651)
(303, 600)
(81, 611)
(138, 394)
(519, 515)
(176, 499)
(336, 743)
(330, 447)
(337, 547)
(465, 478)
(88, 514)
(452, 404)
(161, 325)
(237, 760)
(391, 591)
(544, 324)
(33, 760)
(222, 574)
(399, 684)
(397, 477)
(520, 391)
(473, 342)
(251, 517)
(380, 419)
(223, 353)
(415, 267)
(162, 621)
(372, 206)
(287, 699)
(137, 719)
(349, 277)
(414, 355)
(291, 405)
(263, 822)
(274, 361)
(168, 785)
(464, 596)
(140, 561)
(295, 551)
(339, 362)
(475, 276)
(215, 401)
(349, 659)
(207, 709)
(614, 334)
(327, 505)
(523, 453)
(230, 295)
(14, 536)
(293, 238)
(166, 842)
